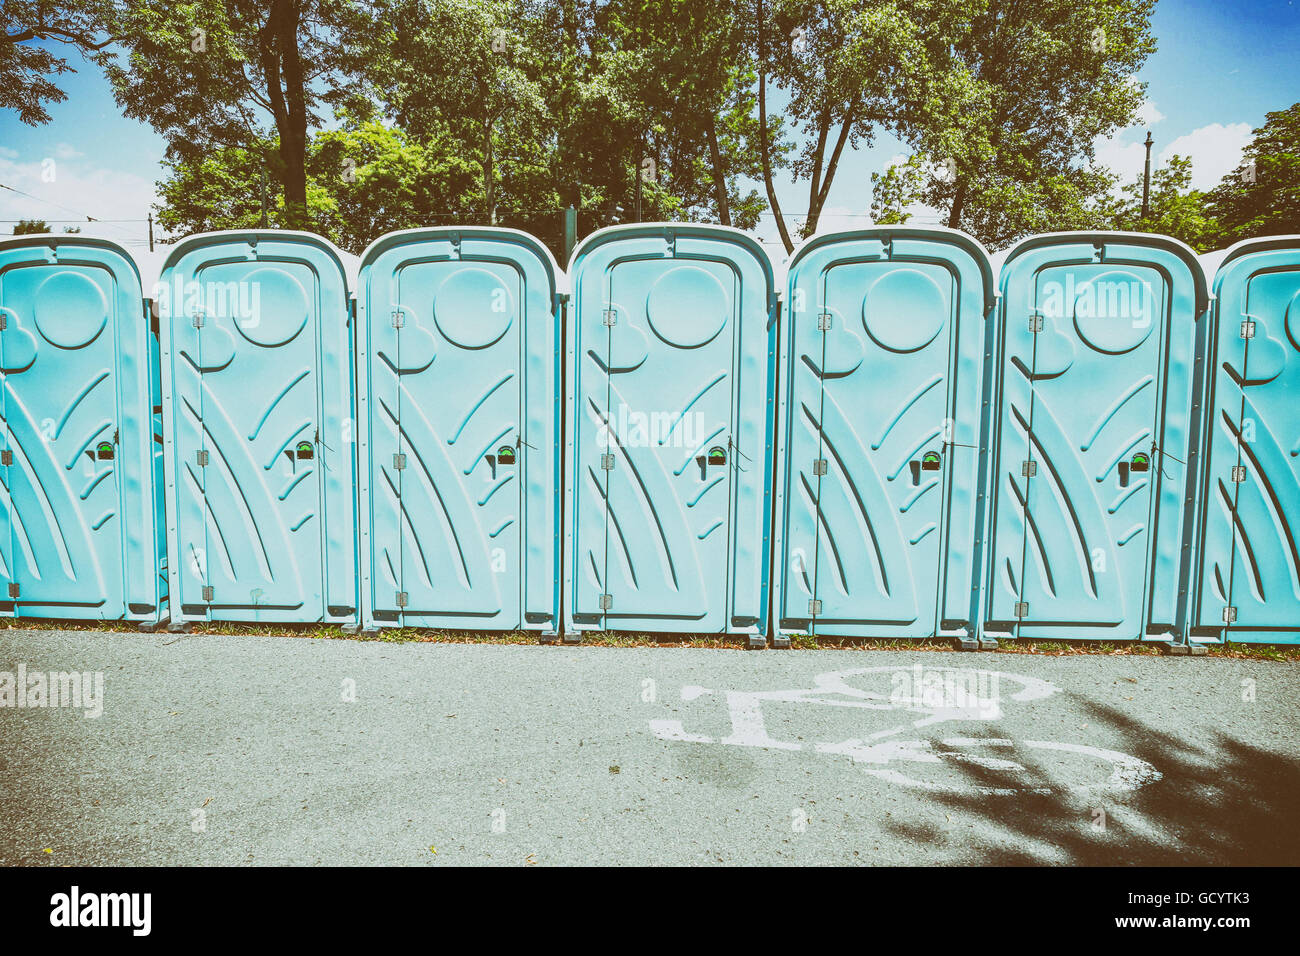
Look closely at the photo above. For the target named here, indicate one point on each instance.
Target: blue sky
(1219, 67)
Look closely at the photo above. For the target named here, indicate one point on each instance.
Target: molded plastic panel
(879, 435)
(80, 505)
(459, 358)
(1093, 432)
(258, 382)
(1248, 558)
(671, 350)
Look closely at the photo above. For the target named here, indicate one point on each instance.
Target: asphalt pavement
(208, 749)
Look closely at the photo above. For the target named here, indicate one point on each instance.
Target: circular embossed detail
(687, 307)
(268, 306)
(1114, 312)
(904, 310)
(71, 310)
(1293, 321)
(473, 308)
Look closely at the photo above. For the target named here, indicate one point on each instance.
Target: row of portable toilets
(452, 432)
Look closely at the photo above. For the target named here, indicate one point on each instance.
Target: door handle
(930, 461)
(1138, 464)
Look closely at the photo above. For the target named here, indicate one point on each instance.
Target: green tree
(213, 75)
(31, 227)
(363, 180)
(1029, 90)
(33, 34)
(851, 69)
(1174, 207)
(1261, 197)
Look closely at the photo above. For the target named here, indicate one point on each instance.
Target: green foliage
(1261, 197)
(1174, 208)
(1012, 117)
(31, 227)
(28, 71)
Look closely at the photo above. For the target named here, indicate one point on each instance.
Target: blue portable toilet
(82, 535)
(458, 357)
(258, 384)
(1247, 582)
(879, 436)
(671, 350)
(1093, 438)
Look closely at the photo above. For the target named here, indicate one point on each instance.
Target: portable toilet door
(458, 349)
(81, 510)
(1094, 437)
(879, 437)
(1247, 585)
(671, 358)
(258, 381)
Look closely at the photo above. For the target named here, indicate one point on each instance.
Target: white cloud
(1148, 115)
(1215, 150)
(68, 190)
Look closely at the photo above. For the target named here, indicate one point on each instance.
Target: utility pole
(151, 232)
(1146, 180)
(570, 233)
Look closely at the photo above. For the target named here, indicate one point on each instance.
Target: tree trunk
(282, 73)
(719, 179)
(958, 204)
(763, 148)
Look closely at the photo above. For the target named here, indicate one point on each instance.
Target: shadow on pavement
(1229, 803)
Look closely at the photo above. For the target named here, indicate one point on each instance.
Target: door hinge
(14, 590)
(399, 318)
(6, 457)
(401, 599)
(399, 462)
(4, 321)
(606, 462)
(1028, 469)
(610, 317)
(1036, 322)
(819, 466)
(1238, 473)
(198, 320)
(814, 607)
(823, 321)
(1022, 609)
(208, 593)
(202, 458)
(1229, 615)
(1248, 329)
(606, 602)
